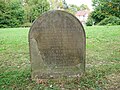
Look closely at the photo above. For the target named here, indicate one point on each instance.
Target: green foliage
(26, 24)
(4, 14)
(89, 22)
(36, 8)
(97, 16)
(105, 8)
(11, 13)
(84, 7)
(56, 4)
(109, 7)
(14, 13)
(74, 8)
(112, 20)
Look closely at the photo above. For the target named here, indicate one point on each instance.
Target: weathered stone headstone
(57, 46)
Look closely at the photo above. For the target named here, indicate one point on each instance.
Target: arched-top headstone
(57, 46)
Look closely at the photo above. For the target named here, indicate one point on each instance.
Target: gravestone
(57, 46)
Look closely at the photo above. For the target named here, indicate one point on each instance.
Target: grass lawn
(102, 61)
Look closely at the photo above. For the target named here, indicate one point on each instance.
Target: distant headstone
(57, 46)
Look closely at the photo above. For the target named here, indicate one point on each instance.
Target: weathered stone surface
(57, 46)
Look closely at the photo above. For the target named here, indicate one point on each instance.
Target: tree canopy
(14, 13)
(104, 9)
(11, 13)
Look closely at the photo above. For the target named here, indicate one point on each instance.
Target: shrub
(89, 22)
(27, 24)
(112, 20)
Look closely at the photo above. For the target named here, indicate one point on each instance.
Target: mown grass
(102, 61)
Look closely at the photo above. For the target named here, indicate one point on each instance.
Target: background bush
(89, 22)
(26, 24)
(112, 20)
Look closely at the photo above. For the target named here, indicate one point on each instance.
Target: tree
(34, 8)
(4, 14)
(17, 12)
(65, 6)
(104, 9)
(72, 8)
(84, 7)
(11, 13)
(56, 4)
